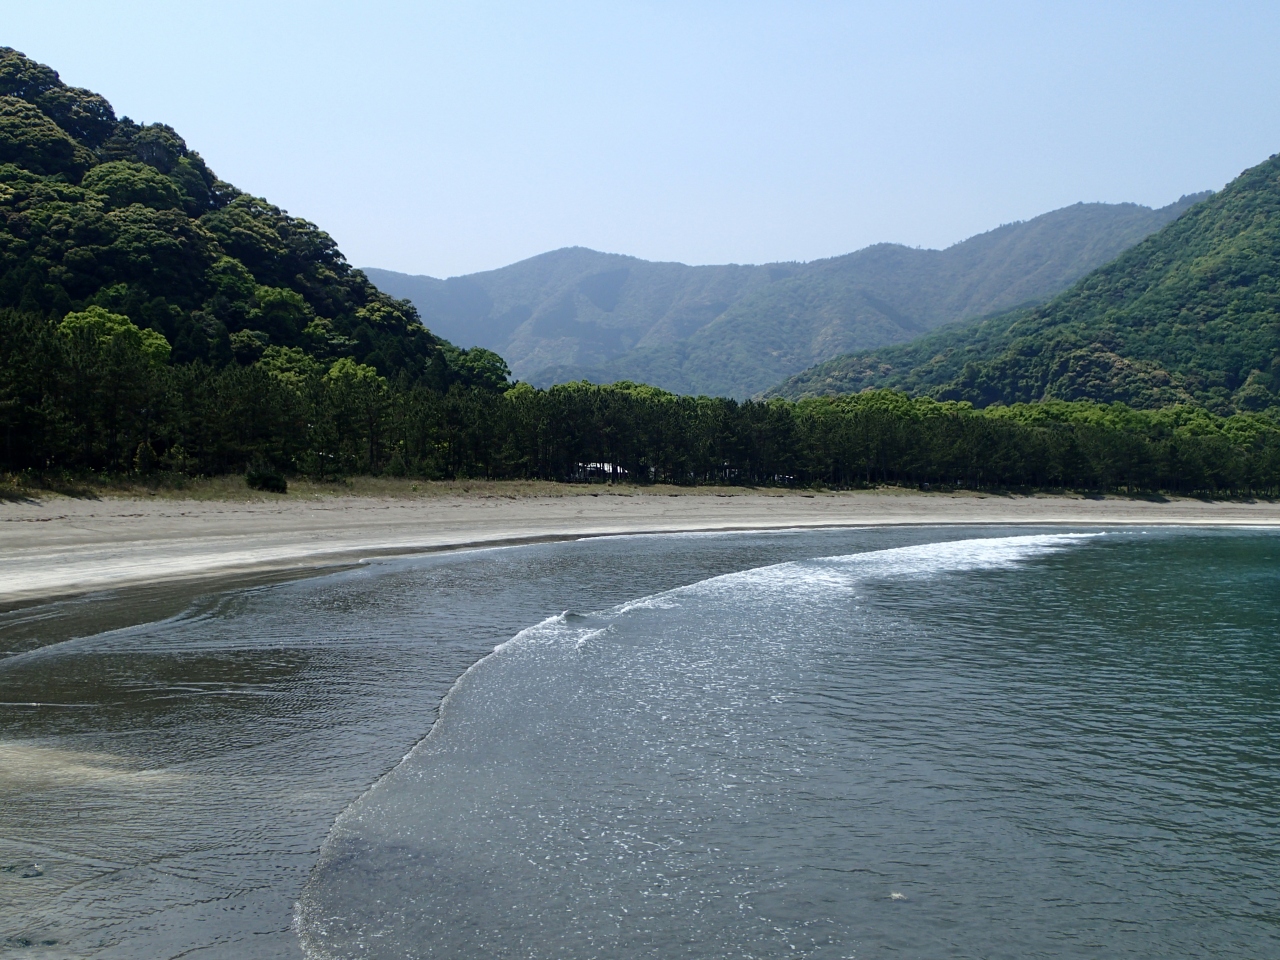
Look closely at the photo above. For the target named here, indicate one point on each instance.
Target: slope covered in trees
(1191, 315)
(737, 330)
(154, 320)
(111, 403)
(576, 305)
(102, 212)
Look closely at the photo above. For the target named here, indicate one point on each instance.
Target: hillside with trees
(1189, 316)
(109, 404)
(101, 213)
(145, 303)
(156, 323)
(737, 330)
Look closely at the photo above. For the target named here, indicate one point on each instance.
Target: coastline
(62, 546)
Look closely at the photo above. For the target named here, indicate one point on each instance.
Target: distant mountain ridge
(1191, 315)
(736, 330)
(576, 305)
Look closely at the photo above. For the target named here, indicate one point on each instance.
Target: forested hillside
(102, 213)
(576, 305)
(737, 330)
(117, 409)
(1191, 315)
(156, 322)
(154, 317)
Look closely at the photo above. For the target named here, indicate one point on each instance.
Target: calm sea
(985, 742)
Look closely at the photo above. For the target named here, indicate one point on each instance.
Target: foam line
(822, 574)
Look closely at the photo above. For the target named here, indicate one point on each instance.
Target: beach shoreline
(58, 546)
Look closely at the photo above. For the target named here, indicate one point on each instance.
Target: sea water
(916, 743)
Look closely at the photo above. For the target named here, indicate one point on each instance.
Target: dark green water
(931, 743)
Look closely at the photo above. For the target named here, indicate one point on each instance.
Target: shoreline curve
(62, 547)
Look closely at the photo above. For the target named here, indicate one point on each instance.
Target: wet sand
(61, 546)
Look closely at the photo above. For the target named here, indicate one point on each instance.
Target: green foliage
(291, 366)
(262, 476)
(105, 212)
(113, 332)
(91, 393)
(353, 403)
(154, 318)
(31, 140)
(247, 346)
(280, 313)
(736, 330)
(82, 113)
(479, 367)
(1191, 315)
(121, 182)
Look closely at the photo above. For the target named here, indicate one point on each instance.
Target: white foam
(658, 601)
(821, 576)
(551, 626)
(825, 575)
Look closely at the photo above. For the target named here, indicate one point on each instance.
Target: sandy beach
(63, 545)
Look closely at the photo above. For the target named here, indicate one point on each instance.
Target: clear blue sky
(444, 138)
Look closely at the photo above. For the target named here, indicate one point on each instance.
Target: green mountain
(1190, 315)
(736, 330)
(102, 212)
(577, 305)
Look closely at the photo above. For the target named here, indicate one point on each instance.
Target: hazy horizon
(834, 256)
(445, 139)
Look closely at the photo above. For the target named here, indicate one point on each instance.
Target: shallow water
(1044, 746)
(166, 787)
(1055, 746)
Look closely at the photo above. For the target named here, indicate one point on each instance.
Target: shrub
(262, 476)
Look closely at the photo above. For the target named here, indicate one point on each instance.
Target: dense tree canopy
(155, 319)
(99, 211)
(92, 392)
(1190, 315)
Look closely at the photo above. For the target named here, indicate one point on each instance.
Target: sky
(447, 138)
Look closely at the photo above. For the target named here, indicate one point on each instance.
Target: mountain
(577, 305)
(104, 214)
(1190, 315)
(736, 330)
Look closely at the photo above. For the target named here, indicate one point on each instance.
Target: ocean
(907, 742)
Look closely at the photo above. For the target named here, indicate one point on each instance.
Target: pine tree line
(93, 393)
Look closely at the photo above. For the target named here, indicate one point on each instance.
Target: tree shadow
(11, 495)
(30, 492)
(70, 488)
